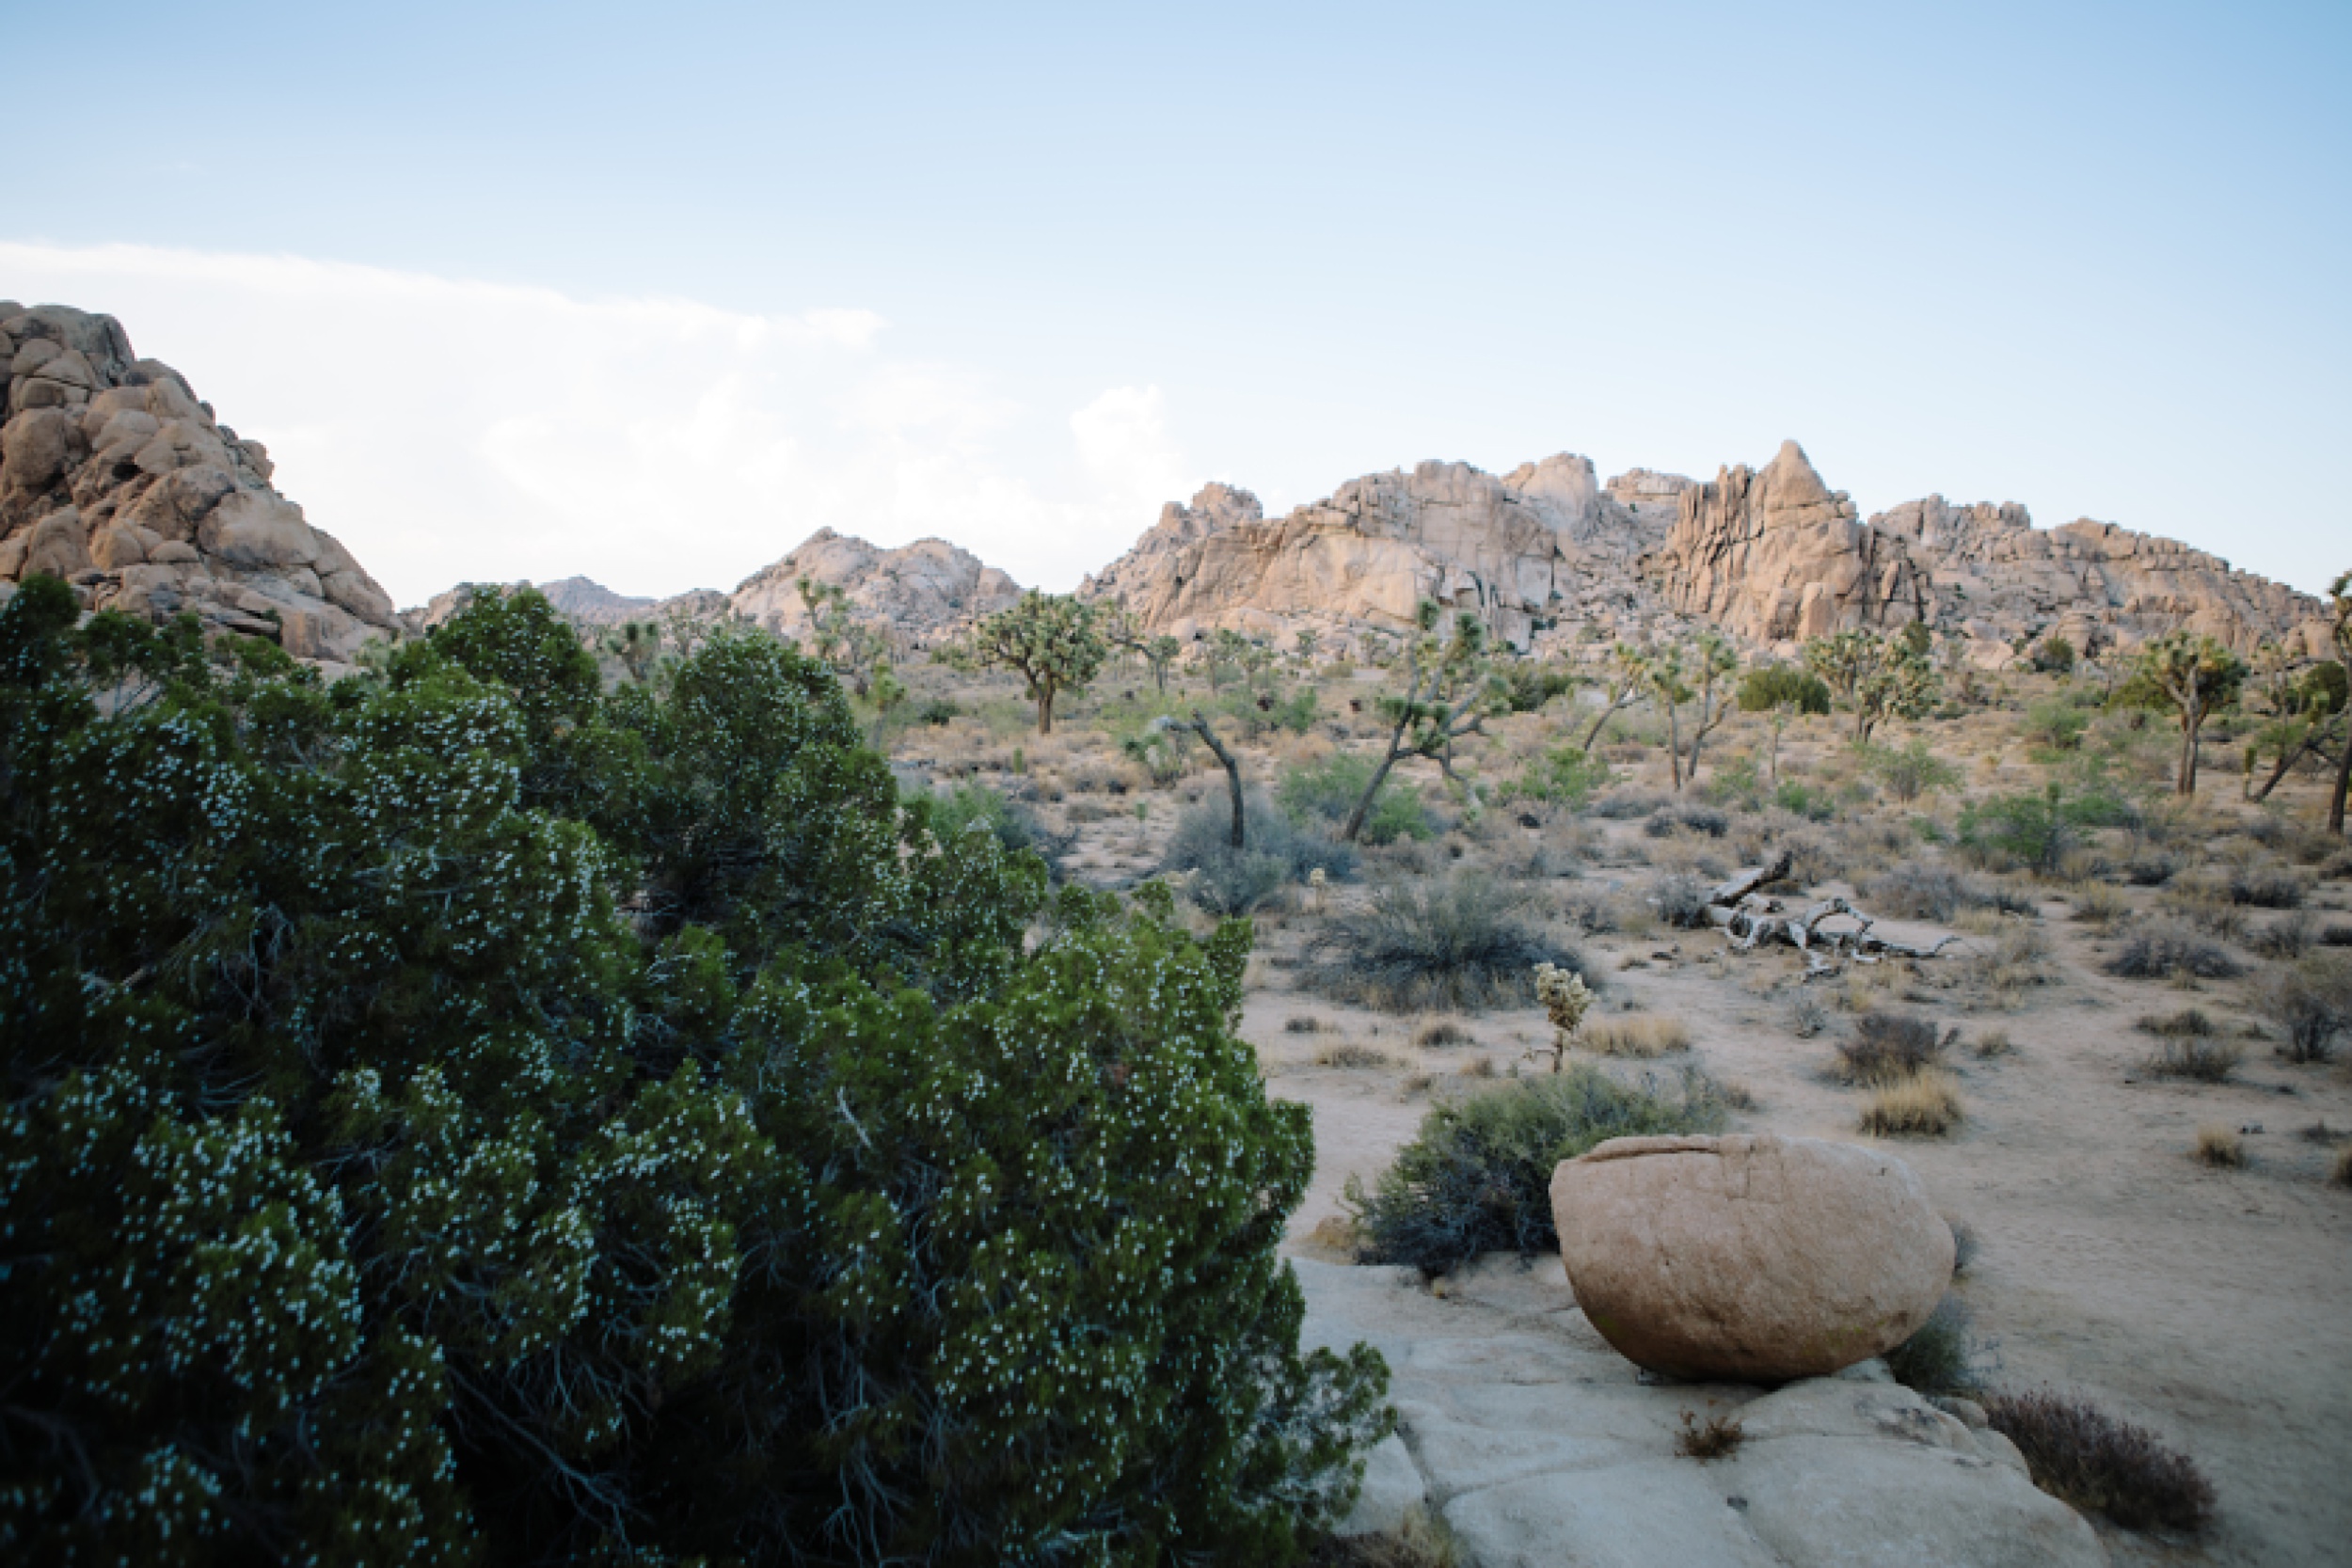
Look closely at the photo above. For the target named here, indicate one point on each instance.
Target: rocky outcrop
(1754, 1259)
(1524, 551)
(919, 592)
(1538, 1444)
(1776, 556)
(114, 476)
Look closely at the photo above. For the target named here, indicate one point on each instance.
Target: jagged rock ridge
(114, 476)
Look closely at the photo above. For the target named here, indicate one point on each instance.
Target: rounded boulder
(1749, 1259)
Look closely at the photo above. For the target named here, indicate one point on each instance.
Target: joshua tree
(1629, 673)
(1713, 663)
(1049, 640)
(1199, 725)
(2340, 597)
(1450, 689)
(1307, 639)
(1161, 654)
(1879, 680)
(2189, 676)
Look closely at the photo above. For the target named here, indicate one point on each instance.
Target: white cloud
(449, 429)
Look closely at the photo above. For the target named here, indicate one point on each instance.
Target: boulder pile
(116, 478)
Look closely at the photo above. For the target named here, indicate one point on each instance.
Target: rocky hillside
(918, 593)
(116, 477)
(1531, 553)
(1773, 556)
(1776, 555)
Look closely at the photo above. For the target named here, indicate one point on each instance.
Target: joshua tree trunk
(1673, 744)
(2185, 781)
(2343, 781)
(1232, 777)
(1363, 806)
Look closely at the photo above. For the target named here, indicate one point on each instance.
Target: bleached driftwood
(1748, 920)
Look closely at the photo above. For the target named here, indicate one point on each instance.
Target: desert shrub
(2287, 937)
(2312, 1002)
(1808, 1016)
(1628, 807)
(1454, 942)
(2165, 950)
(1940, 1358)
(2189, 1023)
(2054, 723)
(378, 1191)
(1680, 900)
(2038, 830)
(2207, 1060)
(1887, 1047)
(1927, 1102)
(1477, 1176)
(1594, 913)
(1909, 772)
(1639, 1034)
(1354, 1056)
(2340, 1169)
(2097, 904)
(1440, 1032)
(2220, 1145)
(936, 712)
(1563, 776)
(2335, 934)
(2078, 1453)
(1809, 801)
(1693, 819)
(1301, 1023)
(2152, 868)
(1772, 686)
(1918, 890)
(2267, 887)
(1277, 851)
(1324, 792)
(1528, 685)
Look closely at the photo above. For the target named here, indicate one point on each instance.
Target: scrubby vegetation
(2078, 1452)
(1452, 942)
(463, 1114)
(1940, 1357)
(1477, 1178)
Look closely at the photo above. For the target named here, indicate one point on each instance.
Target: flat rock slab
(1543, 1447)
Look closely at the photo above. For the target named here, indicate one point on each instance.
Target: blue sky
(651, 292)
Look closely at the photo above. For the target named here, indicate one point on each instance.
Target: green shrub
(1567, 775)
(1326, 791)
(2054, 723)
(976, 808)
(1477, 1176)
(1939, 1358)
(2158, 952)
(1461, 942)
(378, 1193)
(1909, 772)
(2040, 829)
(1772, 686)
(1801, 799)
(1277, 851)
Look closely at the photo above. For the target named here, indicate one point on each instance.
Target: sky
(651, 293)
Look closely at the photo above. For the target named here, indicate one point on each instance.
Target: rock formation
(1525, 552)
(114, 477)
(1749, 1259)
(918, 593)
(1776, 556)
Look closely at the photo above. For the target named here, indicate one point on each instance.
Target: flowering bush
(462, 1114)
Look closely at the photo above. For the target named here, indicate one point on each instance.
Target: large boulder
(1749, 1259)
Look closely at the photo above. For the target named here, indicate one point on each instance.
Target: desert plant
(1940, 1358)
(2080, 1454)
(1353, 1055)
(2340, 1169)
(2288, 937)
(1887, 1048)
(2189, 676)
(2039, 829)
(1768, 687)
(1638, 1035)
(2189, 1023)
(1450, 690)
(1680, 900)
(2166, 950)
(1909, 771)
(1706, 820)
(1280, 852)
(1878, 679)
(1477, 1176)
(1456, 942)
(1563, 776)
(2218, 1145)
(1051, 642)
(2312, 1002)
(1927, 1102)
(1918, 890)
(1323, 793)
(2054, 723)
(1718, 1439)
(1808, 1017)
(2265, 887)
(1565, 998)
(1419, 1540)
(2207, 1060)
(1440, 1033)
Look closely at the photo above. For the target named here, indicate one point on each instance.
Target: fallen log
(1751, 921)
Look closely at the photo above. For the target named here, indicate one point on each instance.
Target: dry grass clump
(2163, 951)
(2266, 887)
(1420, 1541)
(1354, 1056)
(2287, 937)
(1994, 1043)
(1720, 1438)
(2341, 1173)
(2220, 1147)
(1888, 1047)
(1299, 1024)
(1440, 1032)
(1918, 890)
(1927, 1103)
(1641, 1035)
(2098, 904)
(2189, 1023)
(1680, 900)
(2078, 1453)
(2017, 956)
(2208, 1061)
